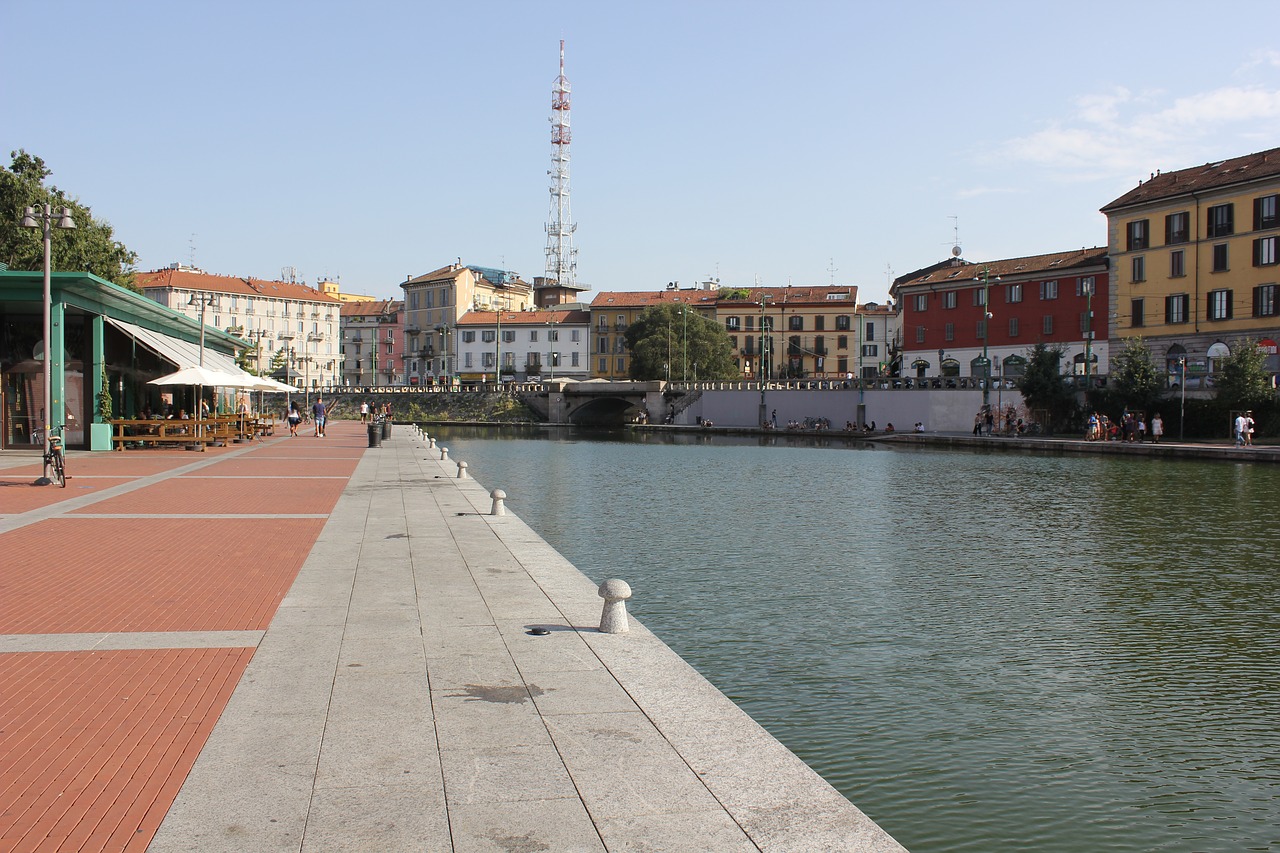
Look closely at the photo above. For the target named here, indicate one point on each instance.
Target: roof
(646, 298)
(845, 294)
(190, 280)
(524, 318)
(964, 272)
(825, 295)
(493, 275)
(1198, 179)
(370, 309)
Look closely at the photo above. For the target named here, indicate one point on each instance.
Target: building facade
(1197, 264)
(372, 344)
(613, 312)
(958, 313)
(530, 345)
(433, 304)
(292, 329)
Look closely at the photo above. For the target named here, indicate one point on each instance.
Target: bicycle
(55, 466)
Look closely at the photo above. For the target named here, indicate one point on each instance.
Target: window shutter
(1231, 304)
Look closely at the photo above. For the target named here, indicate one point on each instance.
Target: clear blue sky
(734, 140)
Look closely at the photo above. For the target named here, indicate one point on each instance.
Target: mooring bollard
(431, 443)
(613, 619)
(499, 502)
(444, 454)
(462, 470)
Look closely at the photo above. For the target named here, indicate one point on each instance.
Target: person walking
(318, 415)
(1239, 429)
(364, 412)
(1157, 428)
(294, 417)
(1248, 429)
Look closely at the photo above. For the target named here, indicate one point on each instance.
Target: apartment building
(1197, 263)
(372, 344)
(613, 312)
(270, 316)
(435, 301)
(530, 345)
(955, 314)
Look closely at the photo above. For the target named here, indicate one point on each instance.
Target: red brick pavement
(94, 746)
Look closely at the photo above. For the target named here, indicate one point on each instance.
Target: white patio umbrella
(201, 377)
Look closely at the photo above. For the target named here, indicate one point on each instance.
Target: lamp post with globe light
(986, 280)
(43, 217)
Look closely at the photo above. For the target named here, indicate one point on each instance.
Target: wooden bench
(155, 432)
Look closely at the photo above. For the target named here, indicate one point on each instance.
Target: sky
(805, 143)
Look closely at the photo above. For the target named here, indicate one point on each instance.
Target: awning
(181, 353)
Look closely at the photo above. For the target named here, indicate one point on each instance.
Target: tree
(671, 341)
(89, 247)
(1044, 387)
(1242, 379)
(1134, 376)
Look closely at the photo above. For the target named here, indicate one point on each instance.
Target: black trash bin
(386, 428)
(375, 434)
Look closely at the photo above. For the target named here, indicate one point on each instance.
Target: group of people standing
(1131, 427)
(369, 411)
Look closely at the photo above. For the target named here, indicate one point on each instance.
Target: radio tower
(562, 258)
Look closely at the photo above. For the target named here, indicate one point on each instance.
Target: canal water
(982, 650)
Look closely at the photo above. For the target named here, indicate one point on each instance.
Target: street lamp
(44, 218)
(986, 334)
(1182, 411)
(551, 343)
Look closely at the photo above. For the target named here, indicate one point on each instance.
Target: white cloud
(1118, 133)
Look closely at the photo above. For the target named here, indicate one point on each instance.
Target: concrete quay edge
(397, 702)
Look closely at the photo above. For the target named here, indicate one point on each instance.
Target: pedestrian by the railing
(294, 417)
(364, 412)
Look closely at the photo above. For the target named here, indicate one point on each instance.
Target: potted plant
(100, 429)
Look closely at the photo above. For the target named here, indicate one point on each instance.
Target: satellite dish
(955, 251)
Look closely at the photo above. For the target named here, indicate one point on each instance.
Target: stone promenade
(304, 644)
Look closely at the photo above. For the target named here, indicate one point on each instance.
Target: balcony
(413, 328)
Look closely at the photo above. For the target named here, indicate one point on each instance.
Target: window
(871, 350)
(1220, 304)
(1264, 251)
(950, 332)
(949, 299)
(488, 336)
(1177, 263)
(871, 332)
(842, 342)
(1048, 324)
(922, 302)
(1220, 220)
(919, 334)
(1084, 287)
(1013, 327)
(1138, 269)
(980, 297)
(469, 337)
(1220, 257)
(1136, 235)
(508, 337)
(842, 322)
(604, 365)
(1086, 320)
(573, 359)
(731, 323)
(1264, 301)
(1176, 229)
(1265, 214)
(981, 329)
(602, 344)
(1136, 318)
(575, 335)
(1013, 293)
(1175, 308)
(751, 323)
(621, 364)
(553, 335)
(466, 360)
(819, 323)
(533, 336)
(1048, 290)
(796, 323)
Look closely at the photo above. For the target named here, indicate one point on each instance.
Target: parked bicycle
(55, 466)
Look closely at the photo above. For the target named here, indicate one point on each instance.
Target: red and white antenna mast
(562, 257)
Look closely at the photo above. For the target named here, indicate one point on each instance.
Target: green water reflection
(983, 651)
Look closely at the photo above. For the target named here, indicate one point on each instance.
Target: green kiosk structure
(101, 333)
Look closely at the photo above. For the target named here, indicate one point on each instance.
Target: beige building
(433, 304)
(270, 315)
(613, 312)
(1196, 266)
(330, 287)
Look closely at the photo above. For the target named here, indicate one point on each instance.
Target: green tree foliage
(89, 247)
(1242, 378)
(691, 344)
(1044, 387)
(1134, 377)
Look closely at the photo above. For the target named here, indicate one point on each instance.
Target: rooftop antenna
(955, 244)
(831, 268)
(888, 274)
(191, 258)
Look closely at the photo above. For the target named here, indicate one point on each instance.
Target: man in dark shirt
(318, 415)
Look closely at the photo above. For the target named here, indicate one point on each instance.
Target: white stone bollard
(444, 454)
(431, 443)
(613, 619)
(462, 470)
(499, 505)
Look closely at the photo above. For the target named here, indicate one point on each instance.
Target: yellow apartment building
(1195, 266)
(612, 312)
